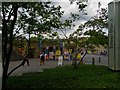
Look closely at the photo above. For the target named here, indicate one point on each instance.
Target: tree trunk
(4, 75)
(7, 45)
(82, 58)
(21, 64)
(4, 79)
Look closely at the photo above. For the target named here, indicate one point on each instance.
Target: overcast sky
(91, 10)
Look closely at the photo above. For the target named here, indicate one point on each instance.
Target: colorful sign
(58, 52)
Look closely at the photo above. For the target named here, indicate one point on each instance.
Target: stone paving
(36, 67)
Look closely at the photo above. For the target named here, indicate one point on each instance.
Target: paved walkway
(36, 67)
(104, 59)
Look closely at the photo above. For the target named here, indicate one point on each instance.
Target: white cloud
(91, 10)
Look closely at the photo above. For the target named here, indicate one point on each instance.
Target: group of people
(72, 54)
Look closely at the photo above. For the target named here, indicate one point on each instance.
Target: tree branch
(82, 58)
(11, 36)
(10, 14)
(17, 31)
(4, 37)
(19, 35)
(12, 26)
(3, 12)
(64, 33)
(22, 63)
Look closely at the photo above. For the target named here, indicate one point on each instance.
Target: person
(47, 53)
(74, 60)
(57, 54)
(46, 57)
(70, 52)
(60, 60)
(42, 59)
(53, 56)
(79, 56)
(54, 50)
(26, 60)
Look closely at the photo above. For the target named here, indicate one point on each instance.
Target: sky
(91, 10)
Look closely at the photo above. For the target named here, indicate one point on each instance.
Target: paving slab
(36, 67)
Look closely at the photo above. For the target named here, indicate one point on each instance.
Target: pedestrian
(54, 50)
(78, 56)
(26, 59)
(46, 57)
(60, 60)
(42, 59)
(47, 53)
(74, 61)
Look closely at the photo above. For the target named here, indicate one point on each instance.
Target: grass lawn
(86, 76)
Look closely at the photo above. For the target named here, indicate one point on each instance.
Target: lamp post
(40, 42)
(61, 46)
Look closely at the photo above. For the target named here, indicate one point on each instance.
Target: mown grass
(86, 76)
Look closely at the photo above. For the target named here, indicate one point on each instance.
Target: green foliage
(95, 26)
(40, 37)
(85, 76)
(19, 42)
(92, 29)
(80, 4)
(55, 34)
(97, 37)
(39, 17)
(31, 18)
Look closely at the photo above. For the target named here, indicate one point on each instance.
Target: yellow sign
(58, 52)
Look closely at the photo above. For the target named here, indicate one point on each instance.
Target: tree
(17, 16)
(96, 25)
(93, 28)
(31, 18)
(69, 23)
(94, 33)
(97, 37)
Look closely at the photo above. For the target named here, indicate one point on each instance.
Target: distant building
(36, 49)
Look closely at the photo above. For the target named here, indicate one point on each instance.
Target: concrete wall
(114, 35)
(0, 51)
(0, 61)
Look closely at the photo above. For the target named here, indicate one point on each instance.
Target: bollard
(99, 59)
(93, 61)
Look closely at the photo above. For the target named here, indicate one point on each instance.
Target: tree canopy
(31, 17)
(93, 29)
